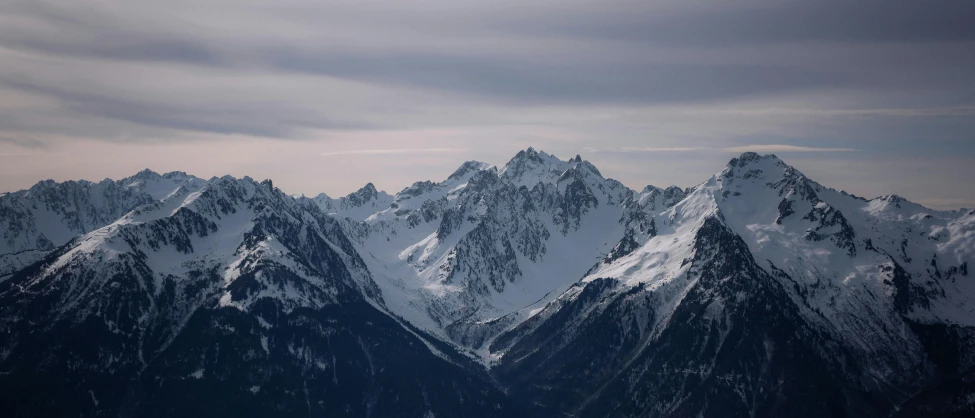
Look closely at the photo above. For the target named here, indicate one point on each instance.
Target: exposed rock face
(358, 205)
(35, 221)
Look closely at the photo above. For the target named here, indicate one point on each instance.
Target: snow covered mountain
(225, 289)
(48, 215)
(755, 291)
(358, 205)
(538, 288)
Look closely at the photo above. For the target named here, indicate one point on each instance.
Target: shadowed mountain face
(540, 288)
(230, 298)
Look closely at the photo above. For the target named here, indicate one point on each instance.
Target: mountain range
(540, 288)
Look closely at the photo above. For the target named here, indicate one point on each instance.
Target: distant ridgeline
(540, 288)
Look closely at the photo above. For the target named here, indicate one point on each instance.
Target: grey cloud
(23, 141)
(260, 119)
(566, 53)
(685, 82)
(567, 79)
(395, 151)
(439, 63)
(725, 23)
(76, 29)
(121, 46)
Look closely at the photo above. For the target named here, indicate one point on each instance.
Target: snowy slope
(828, 240)
(868, 285)
(471, 255)
(49, 214)
(837, 248)
(358, 205)
(235, 228)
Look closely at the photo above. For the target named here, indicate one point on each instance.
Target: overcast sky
(870, 96)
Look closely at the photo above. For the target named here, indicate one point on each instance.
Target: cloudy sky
(870, 96)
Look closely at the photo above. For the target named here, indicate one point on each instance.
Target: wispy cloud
(821, 112)
(392, 151)
(947, 203)
(742, 148)
(24, 154)
(660, 149)
(784, 148)
(642, 149)
(22, 142)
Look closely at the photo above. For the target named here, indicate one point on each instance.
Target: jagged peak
(893, 198)
(764, 168)
(363, 195)
(43, 184)
(886, 202)
(667, 197)
(650, 189)
(229, 180)
(530, 167)
(668, 190)
(369, 188)
(416, 189)
(469, 166)
(749, 158)
(176, 174)
(531, 156)
(146, 173)
(582, 164)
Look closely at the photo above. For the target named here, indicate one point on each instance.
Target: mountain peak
(468, 167)
(893, 198)
(364, 194)
(669, 189)
(527, 155)
(579, 163)
(175, 174)
(666, 197)
(530, 167)
(141, 176)
(43, 184)
(531, 158)
(532, 266)
(748, 158)
(893, 201)
(768, 167)
(146, 173)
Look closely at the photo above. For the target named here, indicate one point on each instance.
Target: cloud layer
(694, 82)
